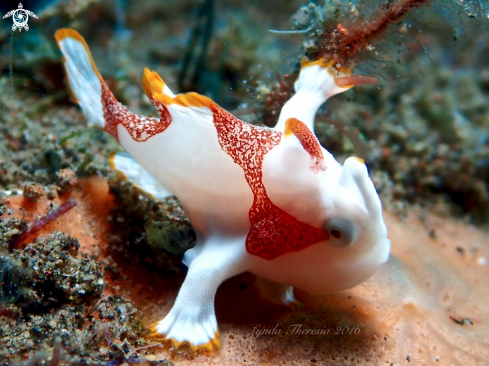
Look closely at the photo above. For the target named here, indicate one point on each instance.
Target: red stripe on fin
(308, 141)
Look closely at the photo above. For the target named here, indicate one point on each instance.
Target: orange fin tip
(63, 33)
(210, 346)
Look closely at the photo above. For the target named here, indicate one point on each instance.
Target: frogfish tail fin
(82, 77)
(86, 85)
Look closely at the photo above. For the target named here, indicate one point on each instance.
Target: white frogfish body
(269, 201)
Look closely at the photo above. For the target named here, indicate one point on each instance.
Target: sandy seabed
(426, 306)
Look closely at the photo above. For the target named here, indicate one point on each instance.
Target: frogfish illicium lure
(270, 201)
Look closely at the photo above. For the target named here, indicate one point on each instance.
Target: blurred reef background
(423, 130)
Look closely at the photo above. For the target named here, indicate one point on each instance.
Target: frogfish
(270, 201)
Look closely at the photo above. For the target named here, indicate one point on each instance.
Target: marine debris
(39, 224)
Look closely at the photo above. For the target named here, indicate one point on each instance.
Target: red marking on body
(273, 231)
(139, 127)
(308, 141)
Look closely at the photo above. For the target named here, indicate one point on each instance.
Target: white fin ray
(137, 175)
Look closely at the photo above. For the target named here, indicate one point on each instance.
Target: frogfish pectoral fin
(210, 345)
(132, 171)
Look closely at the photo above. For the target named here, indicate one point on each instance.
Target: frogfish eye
(336, 233)
(341, 231)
